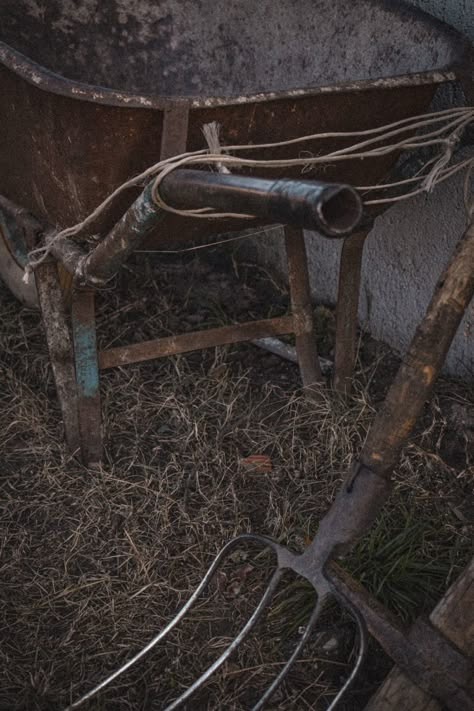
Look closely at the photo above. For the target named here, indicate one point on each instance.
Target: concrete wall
(406, 250)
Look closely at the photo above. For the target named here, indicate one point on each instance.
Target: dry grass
(93, 563)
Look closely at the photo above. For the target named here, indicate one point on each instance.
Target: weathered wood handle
(423, 361)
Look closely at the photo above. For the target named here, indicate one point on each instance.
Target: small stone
(331, 645)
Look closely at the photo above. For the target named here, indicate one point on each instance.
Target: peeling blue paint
(145, 209)
(85, 353)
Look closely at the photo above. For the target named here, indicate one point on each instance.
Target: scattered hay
(93, 563)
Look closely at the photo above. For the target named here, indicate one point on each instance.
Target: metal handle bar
(333, 209)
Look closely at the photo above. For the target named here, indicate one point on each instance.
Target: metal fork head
(285, 560)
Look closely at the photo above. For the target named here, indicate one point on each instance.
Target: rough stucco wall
(458, 13)
(406, 251)
(411, 243)
(404, 255)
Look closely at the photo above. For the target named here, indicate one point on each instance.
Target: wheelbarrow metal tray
(96, 92)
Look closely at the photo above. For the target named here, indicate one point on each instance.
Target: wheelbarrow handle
(333, 209)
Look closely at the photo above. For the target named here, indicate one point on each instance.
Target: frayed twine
(26, 278)
(455, 120)
(211, 133)
(452, 144)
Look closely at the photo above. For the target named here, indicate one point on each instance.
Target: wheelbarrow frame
(78, 128)
(76, 362)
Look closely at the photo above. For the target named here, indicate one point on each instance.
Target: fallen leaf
(258, 462)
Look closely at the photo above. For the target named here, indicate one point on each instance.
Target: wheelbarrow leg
(60, 348)
(346, 311)
(87, 374)
(300, 295)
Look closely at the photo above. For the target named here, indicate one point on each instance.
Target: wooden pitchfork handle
(368, 485)
(425, 357)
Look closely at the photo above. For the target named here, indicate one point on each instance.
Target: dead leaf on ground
(258, 462)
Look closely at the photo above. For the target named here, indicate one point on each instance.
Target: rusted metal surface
(187, 342)
(281, 118)
(87, 375)
(88, 138)
(429, 659)
(175, 128)
(60, 349)
(241, 51)
(302, 307)
(346, 311)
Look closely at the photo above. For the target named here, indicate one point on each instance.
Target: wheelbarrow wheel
(12, 273)
(12, 268)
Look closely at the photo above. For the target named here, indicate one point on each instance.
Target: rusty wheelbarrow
(98, 93)
(95, 94)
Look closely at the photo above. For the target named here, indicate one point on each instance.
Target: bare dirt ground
(94, 563)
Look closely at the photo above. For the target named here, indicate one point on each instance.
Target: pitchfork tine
(283, 563)
(166, 630)
(296, 652)
(252, 621)
(362, 636)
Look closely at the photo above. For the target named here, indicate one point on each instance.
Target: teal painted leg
(87, 375)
